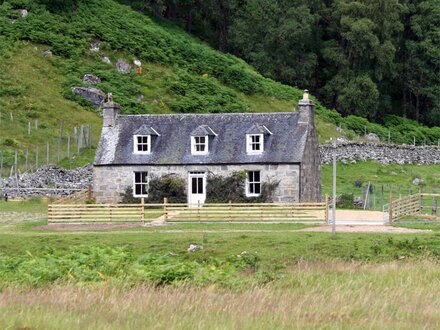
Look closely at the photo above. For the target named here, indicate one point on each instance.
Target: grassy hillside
(181, 74)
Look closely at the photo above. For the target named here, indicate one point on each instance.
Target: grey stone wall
(109, 182)
(311, 170)
(383, 153)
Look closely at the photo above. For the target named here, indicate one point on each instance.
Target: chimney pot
(110, 111)
(306, 95)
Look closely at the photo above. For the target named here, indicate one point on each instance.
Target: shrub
(222, 189)
(345, 201)
(358, 182)
(9, 142)
(170, 186)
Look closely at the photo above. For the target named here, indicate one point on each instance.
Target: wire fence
(16, 159)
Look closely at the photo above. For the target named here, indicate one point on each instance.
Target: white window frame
(250, 143)
(147, 183)
(249, 183)
(136, 143)
(194, 150)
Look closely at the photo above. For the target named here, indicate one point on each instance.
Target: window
(254, 143)
(199, 145)
(253, 184)
(140, 188)
(142, 144)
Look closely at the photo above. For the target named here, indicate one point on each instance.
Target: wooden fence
(79, 197)
(408, 205)
(185, 213)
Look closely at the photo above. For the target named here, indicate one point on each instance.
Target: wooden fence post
(391, 207)
(420, 202)
(230, 211)
(165, 208)
(49, 212)
(89, 192)
(143, 210)
(326, 208)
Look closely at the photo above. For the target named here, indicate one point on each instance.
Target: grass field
(328, 295)
(245, 277)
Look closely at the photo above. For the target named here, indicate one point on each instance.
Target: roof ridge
(207, 114)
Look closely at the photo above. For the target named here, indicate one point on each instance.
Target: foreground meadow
(350, 295)
(245, 277)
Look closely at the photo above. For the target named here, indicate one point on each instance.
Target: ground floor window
(140, 188)
(253, 183)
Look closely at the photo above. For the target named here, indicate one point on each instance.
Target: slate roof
(145, 130)
(258, 129)
(203, 130)
(173, 146)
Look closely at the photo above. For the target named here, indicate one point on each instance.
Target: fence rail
(185, 213)
(79, 197)
(410, 205)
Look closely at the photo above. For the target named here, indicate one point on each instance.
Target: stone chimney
(110, 111)
(306, 109)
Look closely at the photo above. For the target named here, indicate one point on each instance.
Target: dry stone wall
(47, 181)
(382, 153)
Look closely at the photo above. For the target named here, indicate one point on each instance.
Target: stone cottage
(267, 146)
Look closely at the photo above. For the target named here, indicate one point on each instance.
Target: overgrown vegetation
(231, 188)
(180, 74)
(170, 186)
(119, 265)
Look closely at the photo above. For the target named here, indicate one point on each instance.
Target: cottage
(265, 146)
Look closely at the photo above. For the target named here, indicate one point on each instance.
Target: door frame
(196, 174)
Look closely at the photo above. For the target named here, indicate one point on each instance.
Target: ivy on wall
(222, 189)
(219, 189)
(171, 186)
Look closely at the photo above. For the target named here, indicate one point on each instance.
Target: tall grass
(396, 295)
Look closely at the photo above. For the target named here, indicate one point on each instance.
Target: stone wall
(47, 181)
(311, 189)
(111, 181)
(383, 153)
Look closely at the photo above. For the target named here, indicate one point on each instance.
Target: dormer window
(142, 144)
(254, 143)
(255, 137)
(199, 145)
(143, 139)
(200, 138)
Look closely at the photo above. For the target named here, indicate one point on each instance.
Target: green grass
(393, 177)
(246, 276)
(35, 205)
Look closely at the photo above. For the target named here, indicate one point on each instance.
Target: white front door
(196, 188)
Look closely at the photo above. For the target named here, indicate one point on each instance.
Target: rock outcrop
(93, 95)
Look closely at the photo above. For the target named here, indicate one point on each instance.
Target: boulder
(417, 181)
(106, 60)
(94, 46)
(93, 95)
(194, 248)
(23, 12)
(137, 62)
(123, 67)
(372, 137)
(47, 53)
(91, 79)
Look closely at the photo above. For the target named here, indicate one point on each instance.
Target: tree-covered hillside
(181, 74)
(365, 57)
